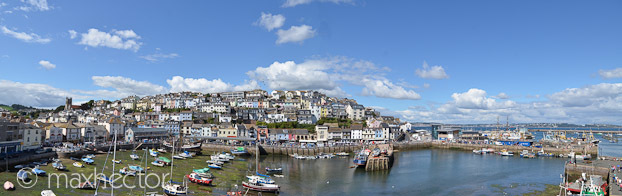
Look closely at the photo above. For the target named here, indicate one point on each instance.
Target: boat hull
(260, 188)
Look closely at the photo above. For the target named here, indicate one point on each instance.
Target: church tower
(68, 103)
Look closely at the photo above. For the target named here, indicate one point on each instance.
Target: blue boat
(361, 158)
(153, 153)
(239, 151)
(104, 179)
(38, 171)
(214, 166)
(22, 175)
(88, 161)
(137, 168)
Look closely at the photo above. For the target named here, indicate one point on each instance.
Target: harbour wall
(24, 159)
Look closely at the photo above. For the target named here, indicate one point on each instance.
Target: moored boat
(274, 170)
(47, 193)
(77, 164)
(39, 172)
(134, 157)
(196, 178)
(256, 186)
(127, 172)
(58, 166)
(157, 163)
(361, 157)
(239, 151)
(214, 166)
(136, 168)
(153, 153)
(22, 175)
(343, 154)
(88, 160)
(116, 161)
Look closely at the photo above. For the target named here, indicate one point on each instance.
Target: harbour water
(425, 172)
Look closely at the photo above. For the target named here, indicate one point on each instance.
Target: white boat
(134, 157)
(261, 179)
(78, 164)
(311, 157)
(256, 186)
(47, 193)
(127, 172)
(477, 151)
(343, 154)
(161, 150)
(178, 157)
(214, 162)
(157, 163)
(116, 161)
(9, 186)
(506, 153)
(487, 150)
(185, 155)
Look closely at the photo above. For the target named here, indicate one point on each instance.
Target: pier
(596, 167)
(382, 161)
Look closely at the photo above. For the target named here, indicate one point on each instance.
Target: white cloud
(600, 103)
(434, 72)
(292, 3)
(610, 74)
(34, 5)
(179, 84)
(47, 65)
(270, 21)
(27, 37)
(589, 95)
(72, 34)
(123, 39)
(159, 56)
(477, 99)
(29, 94)
(127, 87)
(502, 95)
(326, 75)
(295, 34)
(386, 89)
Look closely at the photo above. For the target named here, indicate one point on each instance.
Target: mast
(145, 157)
(172, 160)
(256, 158)
(114, 157)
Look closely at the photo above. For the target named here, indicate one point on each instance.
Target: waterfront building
(71, 133)
(31, 139)
(53, 134)
(136, 134)
(322, 134)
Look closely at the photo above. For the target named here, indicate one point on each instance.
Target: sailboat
(255, 181)
(171, 187)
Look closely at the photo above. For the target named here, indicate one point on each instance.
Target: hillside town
(304, 118)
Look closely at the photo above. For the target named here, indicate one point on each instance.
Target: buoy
(327, 182)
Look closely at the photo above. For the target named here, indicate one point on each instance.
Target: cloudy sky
(442, 61)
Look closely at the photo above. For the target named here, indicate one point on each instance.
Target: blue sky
(554, 61)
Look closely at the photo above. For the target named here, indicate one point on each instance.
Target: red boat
(194, 177)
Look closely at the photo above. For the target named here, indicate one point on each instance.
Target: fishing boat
(77, 164)
(134, 157)
(47, 193)
(541, 153)
(22, 175)
(157, 163)
(239, 151)
(116, 161)
(203, 172)
(196, 178)
(274, 170)
(487, 150)
(86, 185)
(9, 186)
(477, 151)
(527, 154)
(214, 166)
(88, 160)
(127, 172)
(58, 166)
(171, 187)
(343, 154)
(39, 172)
(153, 153)
(505, 152)
(136, 168)
(361, 158)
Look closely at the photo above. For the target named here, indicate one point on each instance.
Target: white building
(31, 136)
